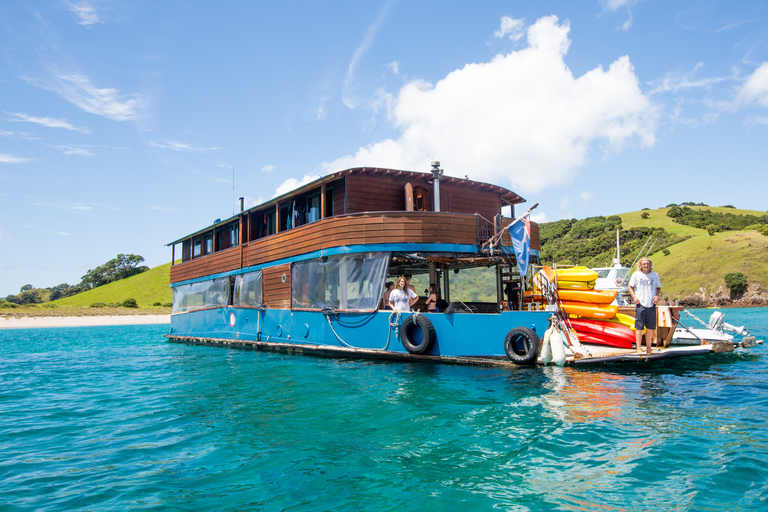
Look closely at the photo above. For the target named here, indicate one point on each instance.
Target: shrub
(644, 215)
(157, 303)
(130, 303)
(168, 305)
(98, 305)
(5, 304)
(736, 283)
(665, 251)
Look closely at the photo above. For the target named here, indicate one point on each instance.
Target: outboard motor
(716, 321)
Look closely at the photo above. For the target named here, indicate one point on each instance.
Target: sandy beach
(81, 321)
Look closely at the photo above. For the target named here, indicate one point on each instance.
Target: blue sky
(122, 123)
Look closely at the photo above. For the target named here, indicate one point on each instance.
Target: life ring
(412, 326)
(619, 281)
(522, 345)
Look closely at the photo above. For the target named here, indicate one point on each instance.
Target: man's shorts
(645, 317)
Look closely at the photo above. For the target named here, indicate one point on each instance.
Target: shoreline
(32, 322)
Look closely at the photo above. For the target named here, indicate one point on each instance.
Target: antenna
(233, 190)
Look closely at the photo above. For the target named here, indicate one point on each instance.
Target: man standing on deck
(644, 286)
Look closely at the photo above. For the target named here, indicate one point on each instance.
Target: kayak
(585, 309)
(592, 296)
(609, 333)
(577, 274)
(575, 285)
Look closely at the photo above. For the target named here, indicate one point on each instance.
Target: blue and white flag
(520, 231)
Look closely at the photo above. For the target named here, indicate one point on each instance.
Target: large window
(205, 294)
(248, 289)
(350, 281)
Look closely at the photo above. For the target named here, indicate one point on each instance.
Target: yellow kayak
(574, 285)
(576, 274)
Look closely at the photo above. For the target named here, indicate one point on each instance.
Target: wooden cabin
(359, 206)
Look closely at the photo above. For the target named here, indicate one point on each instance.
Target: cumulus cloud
(48, 122)
(522, 119)
(755, 88)
(268, 168)
(107, 102)
(85, 13)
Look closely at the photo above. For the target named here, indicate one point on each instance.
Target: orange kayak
(591, 296)
(587, 310)
(574, 285)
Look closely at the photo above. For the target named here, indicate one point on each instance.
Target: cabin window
(349, 281)
(313, 207)
(329, 201)
(269, 223)
(286, 217)
(205, 294)
(186, 250)
(208, 243)
(234, 235)
(197, 247)
(248, 289)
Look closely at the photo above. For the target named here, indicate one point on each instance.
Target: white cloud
(10, 159)
(62, 233)
(107, 102)
(346, 94)
(512, 28)
(85, 13)
(539, 218)
(675, 81)
(21, 135)
(49, 122)
(268, 168)
(72, 150)
(293, 183)
(521, 119)
(586, 196)
(181, 146)
(755, 89)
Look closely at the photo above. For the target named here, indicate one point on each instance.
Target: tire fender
(522, 346)
(409, 329)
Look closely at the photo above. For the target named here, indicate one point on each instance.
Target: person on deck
(432, 299)
(408, 283)
(388, 287)
(401, 298)
(644, 286)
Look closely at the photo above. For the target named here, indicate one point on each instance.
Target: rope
(328, 312)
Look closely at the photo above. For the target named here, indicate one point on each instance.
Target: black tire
(522, 346)
(409, 331)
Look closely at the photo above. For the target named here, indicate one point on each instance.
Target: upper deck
(361, 206)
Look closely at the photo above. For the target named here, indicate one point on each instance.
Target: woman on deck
(401, 298)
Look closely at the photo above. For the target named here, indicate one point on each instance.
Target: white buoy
(558, 349)
(546, 351)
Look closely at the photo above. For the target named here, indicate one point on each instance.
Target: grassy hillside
(147, 288)
(703, 260)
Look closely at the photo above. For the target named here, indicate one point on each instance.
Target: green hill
(688, 259)
(147, 288)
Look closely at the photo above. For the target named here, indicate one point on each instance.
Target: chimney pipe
(242, 206)
(437, 173)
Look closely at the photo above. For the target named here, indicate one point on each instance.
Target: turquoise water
(112, 418)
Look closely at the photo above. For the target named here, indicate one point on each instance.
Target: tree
(736, 283)
(26, 287)
(125, 265)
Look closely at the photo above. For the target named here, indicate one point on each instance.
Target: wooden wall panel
(276, 294)
(383, 228)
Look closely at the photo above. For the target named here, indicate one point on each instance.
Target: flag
(520, 231)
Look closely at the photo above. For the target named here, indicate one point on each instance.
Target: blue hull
(458, 335)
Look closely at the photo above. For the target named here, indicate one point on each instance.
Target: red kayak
(603, 333)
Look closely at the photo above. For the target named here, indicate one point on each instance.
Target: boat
(304, 273)
(717, 329)
(615, 277)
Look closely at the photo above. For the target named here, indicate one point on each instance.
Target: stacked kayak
(575, 287)
(603, 332)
